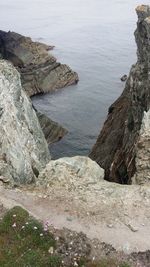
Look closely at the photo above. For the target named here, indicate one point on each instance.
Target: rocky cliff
(122, 147)
(23, 148)
(40, 72)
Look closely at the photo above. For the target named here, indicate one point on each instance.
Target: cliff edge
(121, 141)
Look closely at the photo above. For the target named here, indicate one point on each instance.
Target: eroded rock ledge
(40, 72)
(121, 148)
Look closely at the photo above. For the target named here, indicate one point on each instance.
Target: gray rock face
(40, 73)
(116, 148)
(23, 148)
(142, 175)
(76, 171)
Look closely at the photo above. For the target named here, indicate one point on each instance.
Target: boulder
(23, 148)
(40, 72)
(124, 78)
(117, 146)
(76, 171)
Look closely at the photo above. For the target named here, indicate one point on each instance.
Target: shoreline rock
(53, 132)
(40, 72)
(117, 146)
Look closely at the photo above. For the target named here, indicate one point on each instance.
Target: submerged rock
(23, 148)
(117, 149)
(76, 171)
(40, 73)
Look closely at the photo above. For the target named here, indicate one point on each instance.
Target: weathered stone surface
(52, 130)
(76, 171)
(116, 147)
(23, 148)
(142, 175)
(40, 73)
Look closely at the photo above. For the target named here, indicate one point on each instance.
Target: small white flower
(23, 227)
(26, 223)
(14, 215)
(14, 225)
(45, 229)
(51, 250)
(35, 228)
(41, 234)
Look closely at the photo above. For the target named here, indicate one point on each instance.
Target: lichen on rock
(78, 171)
(23, 148)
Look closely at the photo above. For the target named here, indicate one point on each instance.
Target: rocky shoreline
(40, 72)
(115, 214)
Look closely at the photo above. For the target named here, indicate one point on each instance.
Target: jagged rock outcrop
(77, 171)
(40, 73)
(23, 148)
(117, 147)
(52, 130)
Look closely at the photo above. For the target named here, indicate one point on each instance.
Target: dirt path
(130, 233)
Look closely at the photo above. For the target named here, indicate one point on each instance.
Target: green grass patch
(23, 241)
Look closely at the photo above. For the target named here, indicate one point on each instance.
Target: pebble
(110, 225)
(69, 219)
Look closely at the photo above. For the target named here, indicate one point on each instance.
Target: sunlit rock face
(117, 147)
(23, 148)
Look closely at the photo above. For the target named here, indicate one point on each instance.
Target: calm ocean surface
(94, 37)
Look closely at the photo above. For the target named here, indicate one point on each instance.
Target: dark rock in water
(40, 72)
(124, 78)
(52, 130)
(121, 146)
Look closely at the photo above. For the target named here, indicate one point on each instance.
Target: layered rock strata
(40, 72)
(23, 148)
(121, 146)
